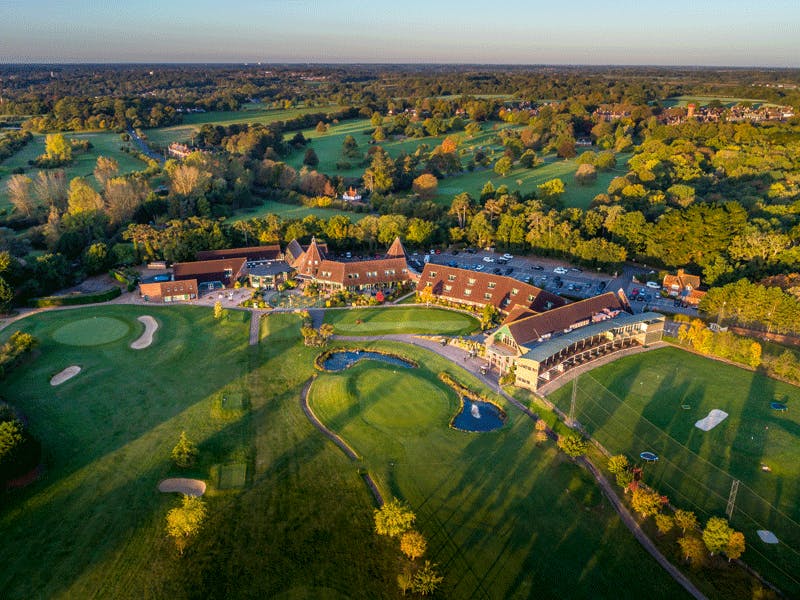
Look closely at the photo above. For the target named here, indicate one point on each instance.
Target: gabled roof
(531, 329)
(190, 270)
(681, 279)
(308, 263)
(293, 251)
(270, 268)
(396, 250)
(271, 252)
(517, 312)
(361, 272)
(475, 287)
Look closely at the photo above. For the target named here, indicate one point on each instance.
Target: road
(144, 148)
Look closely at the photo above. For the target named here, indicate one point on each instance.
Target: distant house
(177, 150)
(543, 346)
(684, 286)
(211, 274)
(351, 195)
(169, 291)
(474, 288)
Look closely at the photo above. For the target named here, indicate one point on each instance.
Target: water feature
(338, 361)
(478, 416)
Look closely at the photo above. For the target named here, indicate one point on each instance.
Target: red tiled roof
(474, 287)
(363, 272)
(682, 280)
(210, 270)
(308, 263)
(532, 328)
(396, 250)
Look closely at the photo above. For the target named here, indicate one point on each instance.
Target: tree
(50, 188)
(19, 193)
(325, 332)
(664, 523)
(123, 197)
(10, 438)
(617, 464)
(461, 208)
(184, 454)
(427, 579)
(310, 159)
(503, 166)
(693, 549)
(185, 521)
(646, 502)
(489, 316)
(405, 580)
(624, 479)
(586, 174)
(95, 258)
(754, 359)
(552, 190)
(6, 295)
(379, 177)
(393, 518)
(425, 186)
(57, 148)
(105, 169)
(686, 520)
(187, 180)
(219, 312)
(735, 547)
(573, 445)
(717, 534)
(541, 431)
(413, 544)
(83, 197)
(321, 127)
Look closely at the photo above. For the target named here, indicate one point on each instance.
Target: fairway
(292, 211)
(652, 401)
(104, 144)
(405, 319)
(504, 518)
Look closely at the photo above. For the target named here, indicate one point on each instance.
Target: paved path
(637, 532)
(255, 327)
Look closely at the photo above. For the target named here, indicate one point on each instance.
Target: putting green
(91, 332)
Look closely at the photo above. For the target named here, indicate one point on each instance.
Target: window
(514, 291)
(492, 285)
(451, 278)
(530, 297)
(488, 296)
(471, 281)
(389, 271)
(433, 274)
(448, 288)
(467, 292)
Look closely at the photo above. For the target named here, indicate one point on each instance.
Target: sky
(625, 32)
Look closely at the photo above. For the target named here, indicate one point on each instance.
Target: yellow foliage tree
(413, 544)
(185, 521)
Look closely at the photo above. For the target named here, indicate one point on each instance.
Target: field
(504, 518)
(704, 100)
(370, 321)
(291, 211)
(105, 144)
(250, 113)
(651, 401)
(328, 147)
(289, 514)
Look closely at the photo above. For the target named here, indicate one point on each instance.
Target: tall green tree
(379, 177)
(186, 521)
(185, 452)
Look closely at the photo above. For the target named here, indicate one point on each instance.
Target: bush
(75, 299)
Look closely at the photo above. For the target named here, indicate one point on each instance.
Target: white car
(560, 270)
(488, 259)
(479, 267)
(507, 256)
(653, 285)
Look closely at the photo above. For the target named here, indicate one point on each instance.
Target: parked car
(560, 270)
(508, 256)
(471, 250)
(538, 268)
(488, 259)
(635, 292)
(653, 285)
(479, 267)
(527, 279)
(348, 255)
(496, 270)
(509, 270)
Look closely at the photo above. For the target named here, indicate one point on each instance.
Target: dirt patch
(150, 327)
(181, 485)
(64, 375)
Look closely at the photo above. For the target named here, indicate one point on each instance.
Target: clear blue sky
(699, 32)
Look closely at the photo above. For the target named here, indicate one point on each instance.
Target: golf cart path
(456, 355)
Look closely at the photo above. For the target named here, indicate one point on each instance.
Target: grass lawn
(503, 517)
(704, 100)
(411, 319)
(250, 113)
(105, 144)
(292, 211)
(642, 410)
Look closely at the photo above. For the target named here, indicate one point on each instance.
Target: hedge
(75, 299)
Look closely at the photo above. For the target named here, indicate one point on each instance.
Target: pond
(478, 416)
(339, 361)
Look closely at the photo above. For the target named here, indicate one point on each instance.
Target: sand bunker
(64, 375)
(714, 418)
(190, 487)
(767, 536)
(150, 327)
